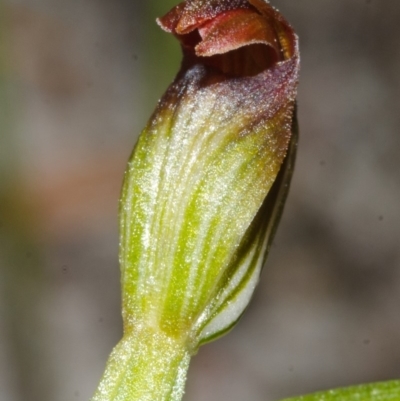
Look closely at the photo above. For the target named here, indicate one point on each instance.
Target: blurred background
(78, 81)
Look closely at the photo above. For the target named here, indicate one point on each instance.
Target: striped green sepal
(189, 204)
(241, 278)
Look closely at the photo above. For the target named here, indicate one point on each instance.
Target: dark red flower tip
(238, 37)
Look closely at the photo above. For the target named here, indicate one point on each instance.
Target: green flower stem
(146, 365)
(385, 391)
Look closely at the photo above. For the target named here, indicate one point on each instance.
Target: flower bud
(204, 190)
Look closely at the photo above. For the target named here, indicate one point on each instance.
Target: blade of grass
(384, 391)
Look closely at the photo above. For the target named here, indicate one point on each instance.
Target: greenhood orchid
(203, 192)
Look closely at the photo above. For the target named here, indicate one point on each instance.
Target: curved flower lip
(209, 28)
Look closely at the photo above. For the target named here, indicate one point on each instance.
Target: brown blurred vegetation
(78, 81)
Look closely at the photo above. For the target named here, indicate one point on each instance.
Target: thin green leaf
(385, 391)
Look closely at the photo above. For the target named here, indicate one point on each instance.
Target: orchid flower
(203, 192)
